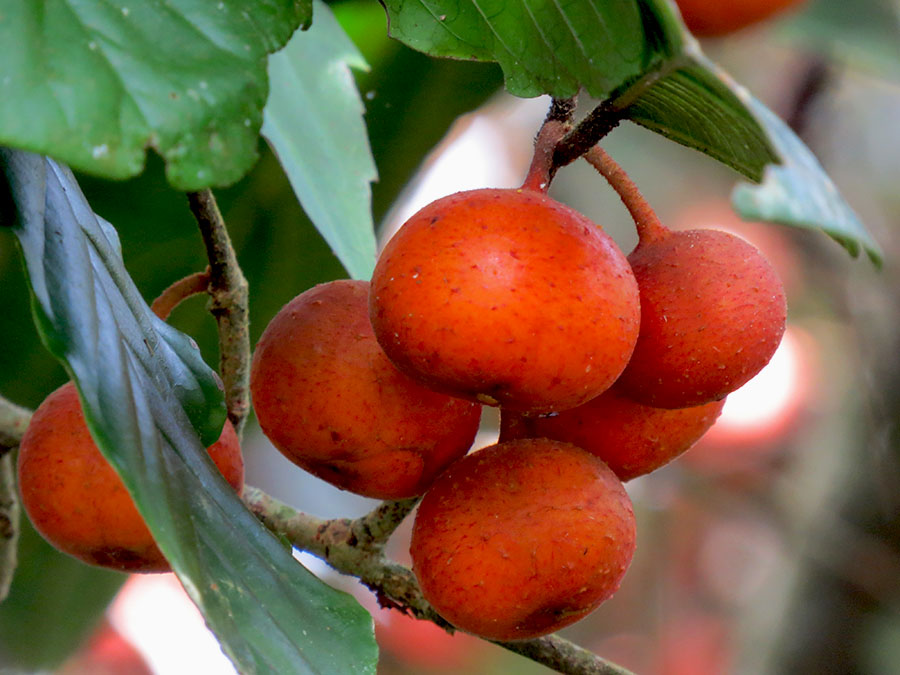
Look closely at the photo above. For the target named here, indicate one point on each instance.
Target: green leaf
(314, 122)
(269, 612)
(545, 47)
(798, 192)
(633, 51)
(696, 105)
(96, 83)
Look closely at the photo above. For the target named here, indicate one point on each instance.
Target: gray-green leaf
(313, 120)
(696, 106)
(142, 398)
(798, 192)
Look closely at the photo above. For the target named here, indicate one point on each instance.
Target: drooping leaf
(696, 105)
(798, 192)
(96, 83)
(270, 613)
(314, 122)
(545, 47)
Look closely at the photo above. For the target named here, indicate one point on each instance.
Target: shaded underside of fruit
(633, 439)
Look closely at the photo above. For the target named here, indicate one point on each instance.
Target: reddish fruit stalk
(540, 173)
(649, 226)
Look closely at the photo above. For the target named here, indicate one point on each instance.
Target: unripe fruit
(712, 314)
(633, 439)
(506, 297)
(714, 17)
(77, 501)
(330, 400)
(522, 538)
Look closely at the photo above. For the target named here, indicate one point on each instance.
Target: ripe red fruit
(714, 17)
(506, 297)
(633, 439)
(522, 538)
(330, 400)
(712, 314)
(77, 501)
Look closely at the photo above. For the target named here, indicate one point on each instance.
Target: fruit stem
(541, 171)
(228, 304)
(181, 290)
(649, 227)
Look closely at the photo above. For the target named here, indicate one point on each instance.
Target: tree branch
(602, 119)
(13, 422)
(228, 304)
(338, 543)
(9, 524)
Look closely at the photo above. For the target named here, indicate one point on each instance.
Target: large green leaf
(545, 47)
(633, 52)
(314, 122)
(696, 105)
(798, 192)
(269, 612)
(96, 83)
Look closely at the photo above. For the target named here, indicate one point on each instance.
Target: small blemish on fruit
(487, 400)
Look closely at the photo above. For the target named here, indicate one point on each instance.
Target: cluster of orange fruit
(604, 368)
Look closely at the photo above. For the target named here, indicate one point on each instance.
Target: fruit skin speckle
(506, 297)
(77, 501)
(713, 311)
(329, 399)
(522, 538)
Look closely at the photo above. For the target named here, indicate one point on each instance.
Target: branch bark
(9, 523)
(228, 304)
(13, 422)
(338, 543)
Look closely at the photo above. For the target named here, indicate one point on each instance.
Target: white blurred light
(155, 614)
(765, 398)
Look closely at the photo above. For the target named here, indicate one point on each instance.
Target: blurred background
(773, 546)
